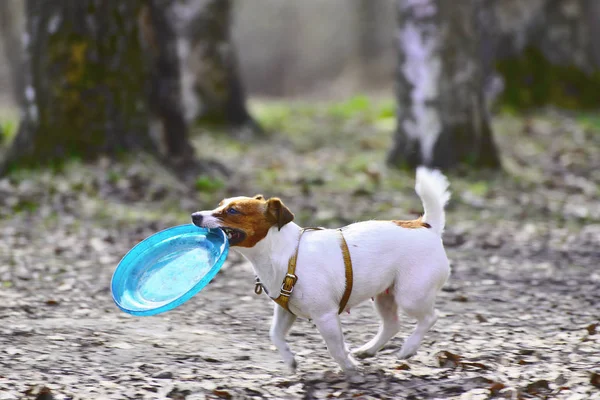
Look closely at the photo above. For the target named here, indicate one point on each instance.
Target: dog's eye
(232, 211)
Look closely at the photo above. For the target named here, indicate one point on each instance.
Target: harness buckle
(258, 287)
(287, 284)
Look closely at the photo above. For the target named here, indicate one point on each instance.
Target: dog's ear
(279, 213)
(259, 197)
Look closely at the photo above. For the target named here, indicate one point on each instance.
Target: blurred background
(198, 62)
(121, 118)
(357, 86)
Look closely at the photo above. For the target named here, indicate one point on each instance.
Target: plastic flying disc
(166, 269)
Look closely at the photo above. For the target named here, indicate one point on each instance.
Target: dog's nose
(197, 218)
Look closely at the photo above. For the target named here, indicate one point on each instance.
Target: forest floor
(520, 315)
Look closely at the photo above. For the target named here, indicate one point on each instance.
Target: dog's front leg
(282, 322)
(330, 328)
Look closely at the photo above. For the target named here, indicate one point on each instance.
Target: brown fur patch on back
(412, 224)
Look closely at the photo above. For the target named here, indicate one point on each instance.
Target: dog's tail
(432, 188)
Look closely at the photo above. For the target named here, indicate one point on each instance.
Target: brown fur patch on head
(412, 224)
(279, 212)
(254, 216)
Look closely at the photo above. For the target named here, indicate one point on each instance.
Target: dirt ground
(520, 316)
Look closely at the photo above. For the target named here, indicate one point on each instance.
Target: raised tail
(432, 188)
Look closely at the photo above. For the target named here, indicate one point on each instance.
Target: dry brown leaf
(538, 387)
(496, 387)
(402, 367)
(222, 394)
(461, 298)
(595, 379)
(448, 360)
(469, 366)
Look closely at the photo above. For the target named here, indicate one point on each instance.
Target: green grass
(294, 118)
(209, 184)
(9, 124)
(590, 121)
(479, 188)
(8, 128)
(332, 153)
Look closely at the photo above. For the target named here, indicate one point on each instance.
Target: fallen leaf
(538, 387)
(473, 366)
(496, 387)
(448, 360)
(595, 379)
(44, 394)
(461, 298)
(222, 394)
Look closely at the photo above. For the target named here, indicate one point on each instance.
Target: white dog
(399, 264)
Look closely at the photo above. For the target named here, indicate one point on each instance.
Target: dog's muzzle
(197, 219)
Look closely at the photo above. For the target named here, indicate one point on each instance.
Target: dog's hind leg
(282, 322)
(386, 307)
(330, 328)
(422, 310)
(412, 343)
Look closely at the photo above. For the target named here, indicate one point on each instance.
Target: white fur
(208, 220)
(432, 188)
(411, 263)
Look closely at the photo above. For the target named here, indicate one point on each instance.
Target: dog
(399, 265)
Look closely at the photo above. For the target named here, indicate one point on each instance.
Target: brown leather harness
(287, 287)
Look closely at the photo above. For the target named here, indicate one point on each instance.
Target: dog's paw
(363, 352)
(349, 365)
(355, 376)
(292, 366)
(406, 352)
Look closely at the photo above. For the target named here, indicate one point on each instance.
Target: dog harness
(287, 287)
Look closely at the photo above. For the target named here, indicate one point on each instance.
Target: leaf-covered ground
(520, 316)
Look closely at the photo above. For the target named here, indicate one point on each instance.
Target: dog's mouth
(234, 235)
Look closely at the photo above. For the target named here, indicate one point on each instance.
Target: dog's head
(245, 220)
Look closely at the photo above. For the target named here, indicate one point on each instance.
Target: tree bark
(547, 52)
(210, 64)
(10, 31)
(167, 124)
(442, 117)
(98, 75)
(85, 82)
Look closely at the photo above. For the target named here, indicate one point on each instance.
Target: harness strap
(287, 287)
(348, 267)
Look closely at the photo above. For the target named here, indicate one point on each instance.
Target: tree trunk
(10, 31)
(548, 52)
(442, 117)
(168, 124)
(210, 65)
(367, 29)
(84, 82)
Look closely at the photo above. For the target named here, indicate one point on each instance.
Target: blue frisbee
(166, 269)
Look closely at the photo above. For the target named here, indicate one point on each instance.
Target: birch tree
(213, 90)
(442, 118)
(11, 21)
